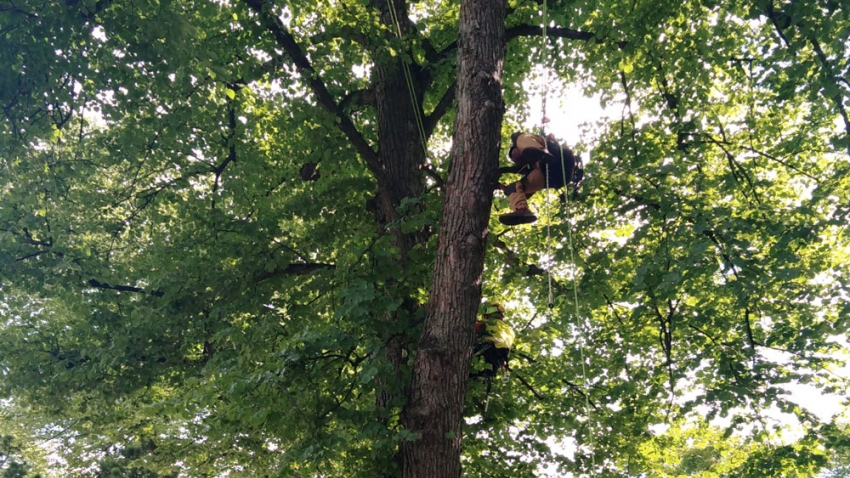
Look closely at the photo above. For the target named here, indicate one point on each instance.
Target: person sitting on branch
(543, 163)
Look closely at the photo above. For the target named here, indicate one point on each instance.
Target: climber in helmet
(494, 338)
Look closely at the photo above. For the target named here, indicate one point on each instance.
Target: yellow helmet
(492, 310)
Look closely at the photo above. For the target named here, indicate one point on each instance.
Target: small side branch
(286, 41)
(295, 269)
(231, 154)
(124, 288)
(831, 76)
(665, 325)
(578, 389)
(531, 270)
(614, 310)
(706, 335)
(749, 329)
(364, 97)
(529, 31)
(734, 166)
(528, 386)
(433, 175)
(628, 105)
(440, 110)
(536, 30)
(780, 161)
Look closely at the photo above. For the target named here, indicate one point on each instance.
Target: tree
(434, 412)
(12, 464)
(232, 240)
(836, 450)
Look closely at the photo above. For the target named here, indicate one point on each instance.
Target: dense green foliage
(175, 297)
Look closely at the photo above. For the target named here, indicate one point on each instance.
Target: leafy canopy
(178, 299)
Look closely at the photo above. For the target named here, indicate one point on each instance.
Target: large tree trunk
(401, 155)
(434, 412)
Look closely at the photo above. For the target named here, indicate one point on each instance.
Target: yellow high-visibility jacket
(497, 332)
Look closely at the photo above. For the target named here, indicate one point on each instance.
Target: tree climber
(495, 338)
(542, 162)
(495, 341)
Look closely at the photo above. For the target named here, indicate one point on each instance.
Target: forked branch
(286, 41)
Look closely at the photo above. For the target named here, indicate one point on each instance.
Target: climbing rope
(545, 79)
(543, 47)
(575, 301)
(408, 78)
(544, 120)
(585, 388)
(549, 241)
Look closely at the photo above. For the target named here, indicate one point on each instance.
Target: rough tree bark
(400, 149)
(434, 413)
(400, 157)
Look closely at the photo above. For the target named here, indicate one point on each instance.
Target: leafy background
(177, 300)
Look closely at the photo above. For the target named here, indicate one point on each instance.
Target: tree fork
(434, 413)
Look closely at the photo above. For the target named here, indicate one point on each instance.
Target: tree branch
(734, 166)
(581, 392)
(830, 75)
(749, 330)
(18, 10)
(528, 386)
(99, 7)
(286, 41)
(430, 52)
(781, 22)
(664, 335)
(531, 270)
(775, 19)
(711, 235)
(614, 310)
(231, 155)
(557, 32)
(124, 288)
(295, 269)
(706, 335)
(528, 31)
(780, 161)
(440, 110)
(364, 97)
(628, 105)
(30, 256)
(344, 33)
(433, 175)
(35, 242)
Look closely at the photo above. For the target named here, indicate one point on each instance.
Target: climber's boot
(520, 213)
